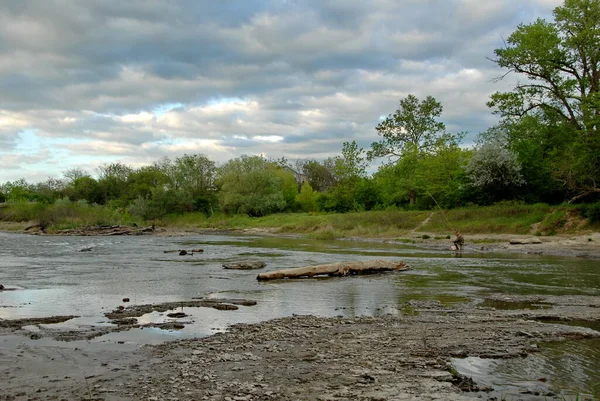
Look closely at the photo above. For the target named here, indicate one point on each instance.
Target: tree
(561, 63)
(413, 125)
(142, 181)
(85, 188)
(195, 174)
(495, 169)
(320, 175)
(72, 174)
(307, 198)
(112, 178)
(352, 164)
(250, 186)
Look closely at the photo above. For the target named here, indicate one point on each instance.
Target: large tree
(560, 61)
(250, 185)
(410, 134)
(413, 126)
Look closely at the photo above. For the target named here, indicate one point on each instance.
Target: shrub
(592, 212)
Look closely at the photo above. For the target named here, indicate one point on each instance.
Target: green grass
(503, 218)
(506, 218)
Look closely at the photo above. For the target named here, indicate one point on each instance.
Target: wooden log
(336, 269)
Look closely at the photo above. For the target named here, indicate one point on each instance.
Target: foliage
(352, 164)
(413, 125)
(112, 180)
(592, 212)
(249, 186)
(320, 175)
(495, 169)
(85, 188)
(307, 198)
(561, 63)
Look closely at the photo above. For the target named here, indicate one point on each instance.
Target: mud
(122, 313)
(306, 357)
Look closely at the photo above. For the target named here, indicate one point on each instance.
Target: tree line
(545, 148)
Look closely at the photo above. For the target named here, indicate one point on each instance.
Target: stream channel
(51, 276)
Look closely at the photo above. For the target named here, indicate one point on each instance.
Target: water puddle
(564, 371)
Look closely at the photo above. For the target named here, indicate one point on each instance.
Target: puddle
(564, 371)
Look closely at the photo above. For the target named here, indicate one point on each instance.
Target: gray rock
(244, 265)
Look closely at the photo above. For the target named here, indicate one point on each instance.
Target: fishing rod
(448, 224)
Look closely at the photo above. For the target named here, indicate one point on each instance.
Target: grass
(506, 218)
(503, 218)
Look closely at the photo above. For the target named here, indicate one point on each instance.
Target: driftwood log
(108, 230)
(336, 269)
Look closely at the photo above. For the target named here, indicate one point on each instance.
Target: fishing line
(448, 224)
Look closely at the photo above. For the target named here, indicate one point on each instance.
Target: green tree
(413, 126)
(307, 198)
(409, 134)
(250, 186)
(113, 179)
(320, 175)
(560, 61)
(195, 174)
(85, 188)
(143, 180)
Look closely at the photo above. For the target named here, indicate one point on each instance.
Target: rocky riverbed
(406, 357)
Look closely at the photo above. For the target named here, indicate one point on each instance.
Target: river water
(53, 277)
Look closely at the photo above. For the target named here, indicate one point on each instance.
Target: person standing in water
(459, 242)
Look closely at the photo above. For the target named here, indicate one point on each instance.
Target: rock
(176, 314)
(244, 265)
(1, 287)
(183, 252)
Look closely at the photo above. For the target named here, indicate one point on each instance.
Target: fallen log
(107, 230)
(336, 269)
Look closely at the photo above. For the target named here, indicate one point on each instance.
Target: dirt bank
(306, 357)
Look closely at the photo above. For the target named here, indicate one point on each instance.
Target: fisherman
(459, 241)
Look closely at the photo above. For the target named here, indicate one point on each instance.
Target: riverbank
(406, 357)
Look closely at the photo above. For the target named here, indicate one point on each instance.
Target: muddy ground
(403, 357)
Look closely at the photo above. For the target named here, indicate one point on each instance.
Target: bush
(592, 212)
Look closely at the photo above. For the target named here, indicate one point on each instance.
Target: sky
(86, 83)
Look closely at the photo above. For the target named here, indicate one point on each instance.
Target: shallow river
(53, 277)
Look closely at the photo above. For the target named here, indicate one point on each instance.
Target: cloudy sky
(88, 82)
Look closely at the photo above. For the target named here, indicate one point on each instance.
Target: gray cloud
(97, 75)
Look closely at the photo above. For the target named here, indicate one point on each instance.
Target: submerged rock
(244, 265)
